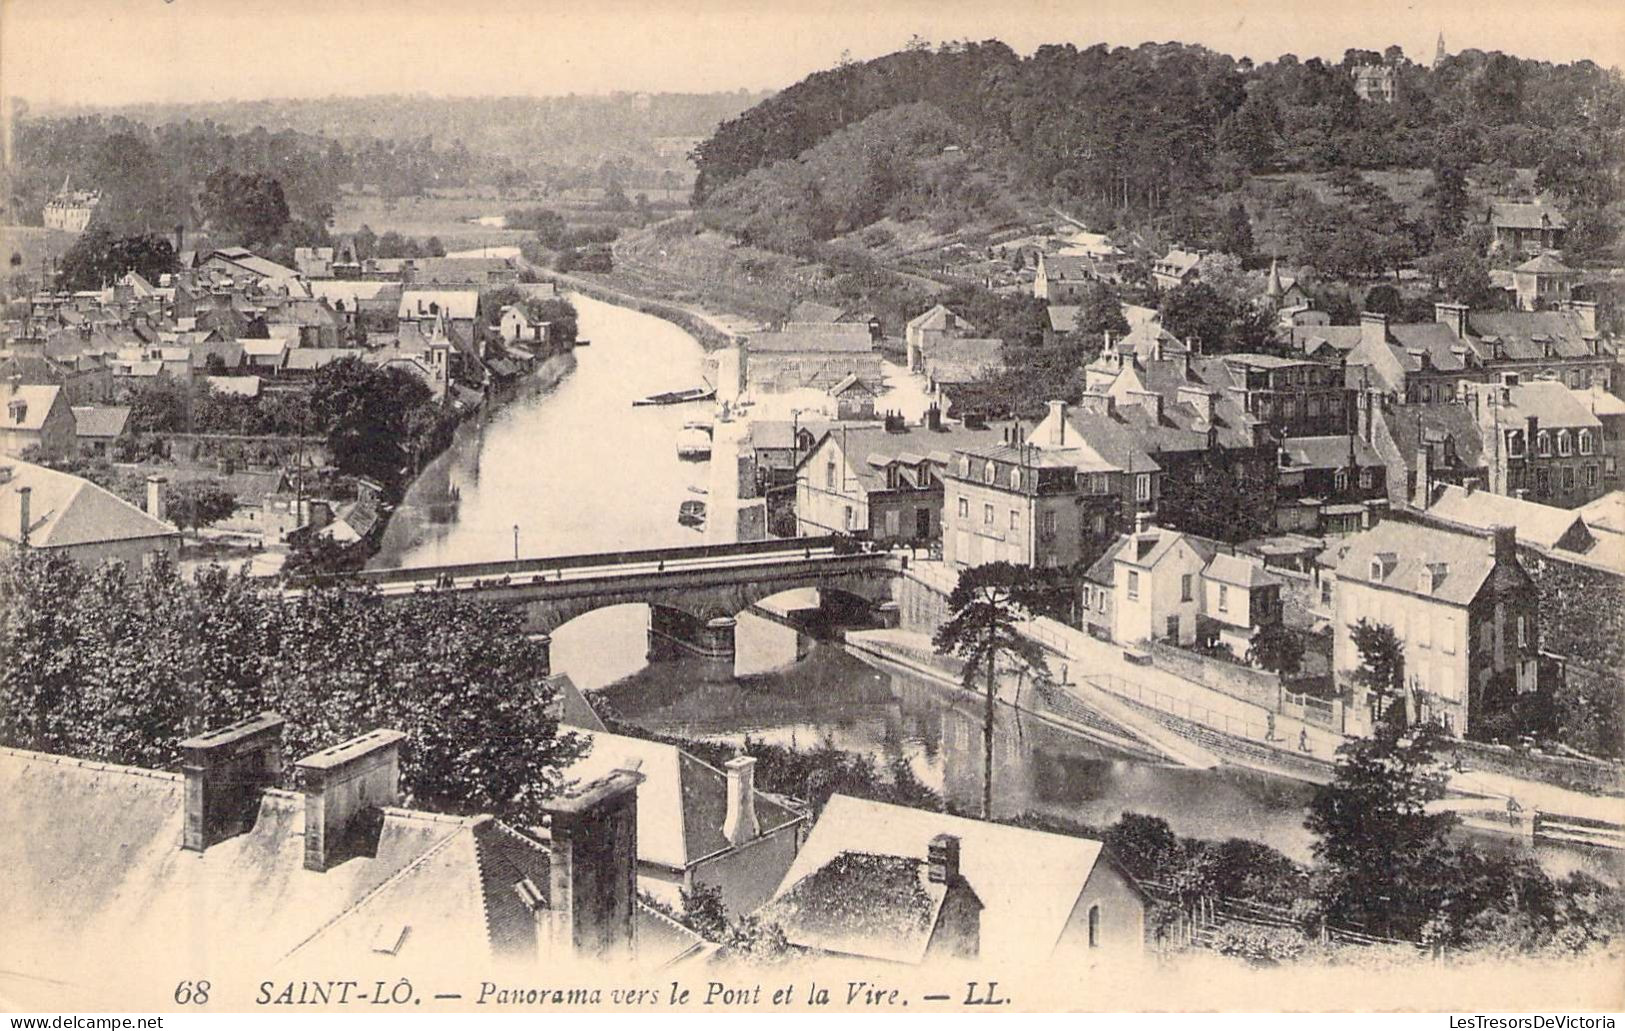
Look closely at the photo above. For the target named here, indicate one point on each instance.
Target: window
(1289, 409)
(1314, 407)
(1224, 598)
(1543, 444)
(1015, 519)
(1049, 524)
(1486, 635)
(1015, 479)
(1368, 478)
(989, 473)
(964, 508)
(1514, 443)
(846, 517)
(1185, 587)
(987, 515)
(1100, 522)
(1585, 442)
(1591, 476)
(829, 475)
(1543, 481)
(1341, 480)
(1447, 634)
(964, 466)
(1094, 927)
(1376, 569)
(1424, 631)
(1565, 443)
(1325, 592)
(1133, 586)
(1142, 487)
(1523, 632)
(891, 522)
(1444, 685)
(1568, 478)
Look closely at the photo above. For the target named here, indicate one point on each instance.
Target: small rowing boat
(677, 397)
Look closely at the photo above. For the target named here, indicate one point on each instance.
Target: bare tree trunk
(987, 743)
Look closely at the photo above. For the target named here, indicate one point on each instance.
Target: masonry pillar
(717, 639)
(544, 647)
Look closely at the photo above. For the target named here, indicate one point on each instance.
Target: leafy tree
(1382, 669)
(983, 630)
(1277, 649)
(1449, 200)
(195, 504)
(704, 911)
(1462, 275)
(98, 258)
(1145, 845)
(251, 206)
(366, 410)
(1381, 853)
(120, 665)
(1236, 232)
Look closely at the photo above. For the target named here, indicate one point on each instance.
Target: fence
(1322, 712)
(1222, 722)
(1205, 914)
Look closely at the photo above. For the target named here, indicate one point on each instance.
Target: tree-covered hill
(1157, 129)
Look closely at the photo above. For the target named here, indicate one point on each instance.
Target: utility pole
(516, 542)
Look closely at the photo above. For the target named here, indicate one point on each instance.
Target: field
(448, 214)
(33, 244)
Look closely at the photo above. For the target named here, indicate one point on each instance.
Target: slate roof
(1068, 266)
(1467, 557)
(1537, 524)
(832, 337)
(1327, 452)
(682, 801)
(1411, 425)
(1551, 402)
(311, 358)
(65, 510)
(242, 386)
(1544, 264)
(454, 304)
(39, 399)
(936, 317)
(812, 311)
(1239, 572)
(1027, 880)
(1523, 215)
(1063, 318)
(1147, 549)
(100, 422)
(863, 445)
(1606, 512)
(1518, 331)
(962, 359)
(860, 904)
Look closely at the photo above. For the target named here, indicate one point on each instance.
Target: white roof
(65, 510)
(454, 304)
(1028, 881)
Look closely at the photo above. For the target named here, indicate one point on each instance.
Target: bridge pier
(673, 634)
(544, 644)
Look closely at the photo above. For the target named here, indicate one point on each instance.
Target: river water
(576, 469)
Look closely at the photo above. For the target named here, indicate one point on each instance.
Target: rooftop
(65, 510)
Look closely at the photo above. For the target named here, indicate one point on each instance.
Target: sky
(110, 52)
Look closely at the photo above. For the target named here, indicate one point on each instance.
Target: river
(577, 469)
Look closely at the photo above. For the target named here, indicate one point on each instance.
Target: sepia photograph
(700, 507)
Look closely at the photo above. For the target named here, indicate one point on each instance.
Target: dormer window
(1515, 443)
(1543, 444)
(18, 411)
(1376, 569)
(989, 473)
(1015, 479)
(1565, 443)
(1585, 442)
(964, 466)
(1341, 479)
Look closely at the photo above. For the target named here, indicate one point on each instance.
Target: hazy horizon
(106, 53)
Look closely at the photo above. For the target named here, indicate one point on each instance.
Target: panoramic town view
(1114, 509)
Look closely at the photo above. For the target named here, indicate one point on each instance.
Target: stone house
(37, 417)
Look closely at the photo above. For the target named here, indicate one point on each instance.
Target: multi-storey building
(1541, 440)
(1460, 603)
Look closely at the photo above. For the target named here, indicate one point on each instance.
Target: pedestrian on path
(1303, 739)
(1269, 728)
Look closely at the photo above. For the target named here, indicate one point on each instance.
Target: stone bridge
(694, 594)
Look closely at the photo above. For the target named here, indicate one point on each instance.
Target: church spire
(1273, 288)
(1438, 52)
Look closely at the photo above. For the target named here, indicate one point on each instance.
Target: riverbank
(714, 331)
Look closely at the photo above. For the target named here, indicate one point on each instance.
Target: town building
(909, 886)
(99, 429)
(337, 874)
(1540, 439)
(808, 356)
(698, 825)
(36, 419)
(883, 482)
(1537, 525)
(70, 210)
(1543, 282)
(1410, 362)
(1461, 604)
(1376, 83)
(1063, 278)
(61, 514)
(854, 399)
(1326, 486)
(246, 269)
(1174, 268)
(930, 327)
(1527, 229)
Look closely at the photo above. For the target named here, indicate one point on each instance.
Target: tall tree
(1381, 670)
(983, 630)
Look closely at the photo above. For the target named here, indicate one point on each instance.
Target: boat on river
(694, 443)
(677, 397)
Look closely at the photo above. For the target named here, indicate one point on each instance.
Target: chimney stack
(1142, 522)
(1453, 315)
(155, 498)
(341, 784)
(1373, 328)
(592, 876)
(740, 826)
(933, 418)
(1057, 432)
(226, 770)
(25, 516)
(1504, 543)
(1587, 311)
(942, 855)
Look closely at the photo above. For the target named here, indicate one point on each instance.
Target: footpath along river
(577, 469)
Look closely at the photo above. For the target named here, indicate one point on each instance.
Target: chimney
(342, 784)
(180, 239)
(1057, 430)
(1422, 496)
(592, 876)
(1142, 522)
(1451, 314)
(933, 419)
(1098, 404)
(1504, 543)
(155, 498)
(1587, 311)
(1150, 401)
(1373, 328)
(740, 825)
(1199, 398)
(25, 517)
(943, 857)
(226, 770)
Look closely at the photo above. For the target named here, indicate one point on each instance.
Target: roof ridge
(95, 765)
